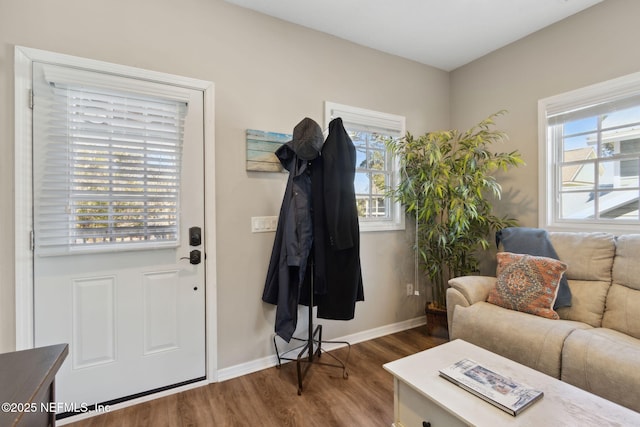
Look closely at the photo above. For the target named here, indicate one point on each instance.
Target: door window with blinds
(592, 156)
(376, 170)
(106, 161)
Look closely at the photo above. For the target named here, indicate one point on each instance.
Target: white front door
(124, 293)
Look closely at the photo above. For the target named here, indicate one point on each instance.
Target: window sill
(369, 226)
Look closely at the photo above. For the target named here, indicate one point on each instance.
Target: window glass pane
(607, 178)
(361, 182)
(618, 205)
(621, 117)
(583, 125)
(378, 183)
(608, 148)
(379, 207)
(577, 205)
(356, 137)
(578, 176)
(363, 205)
(377, 141)
(580, 147)
(622, 140)
(372, 174)
(630, 146)
(611, 175)
(371, 156)
(377, 160)
(361, 157)
(629, 171)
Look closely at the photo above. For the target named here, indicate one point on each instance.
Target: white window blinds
(107, 163)
(360, 119)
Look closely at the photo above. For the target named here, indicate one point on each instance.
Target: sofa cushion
(527, 283)
(589, 256)
(531, 340)
(603, 362)
(588, 298)
(623, 310)
(626, 268)
(623, 300)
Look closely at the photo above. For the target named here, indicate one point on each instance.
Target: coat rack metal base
(310, 353)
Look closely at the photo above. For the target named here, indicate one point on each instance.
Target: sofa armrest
(467, 290)
(473, 288)
(454, 298)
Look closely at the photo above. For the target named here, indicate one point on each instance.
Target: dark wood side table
(27, 386)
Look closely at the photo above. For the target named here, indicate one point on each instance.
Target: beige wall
(593, 46)
(268, 75)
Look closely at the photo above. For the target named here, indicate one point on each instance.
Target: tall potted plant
(447, 183)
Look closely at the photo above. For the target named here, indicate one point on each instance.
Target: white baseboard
(271, 361)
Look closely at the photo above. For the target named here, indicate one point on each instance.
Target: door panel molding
(160, 290)
(94, 330)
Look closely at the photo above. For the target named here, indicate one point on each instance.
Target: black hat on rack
(307, 139)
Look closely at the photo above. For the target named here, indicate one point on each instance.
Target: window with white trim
(590, 157)
(376, 170)
(106, 163)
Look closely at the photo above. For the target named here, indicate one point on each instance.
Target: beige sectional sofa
(596, 343)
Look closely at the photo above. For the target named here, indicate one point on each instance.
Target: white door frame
(24, 192)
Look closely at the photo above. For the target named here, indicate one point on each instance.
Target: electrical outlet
(409, 289)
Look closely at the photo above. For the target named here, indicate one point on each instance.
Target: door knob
(195, 257)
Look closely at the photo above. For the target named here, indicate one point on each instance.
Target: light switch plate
(262, 224)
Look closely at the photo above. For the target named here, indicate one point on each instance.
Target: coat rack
(311, 351)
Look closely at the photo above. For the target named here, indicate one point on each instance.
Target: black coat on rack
(336, 220)
(294, 234)
(319, 189)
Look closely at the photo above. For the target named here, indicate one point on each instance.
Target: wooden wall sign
(261, 147)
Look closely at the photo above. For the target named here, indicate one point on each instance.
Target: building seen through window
(599, 166)
(372, 174)
(590, 157)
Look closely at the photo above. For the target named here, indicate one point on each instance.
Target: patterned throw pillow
(527, 283)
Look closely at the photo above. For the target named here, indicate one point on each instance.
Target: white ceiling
(442, 33)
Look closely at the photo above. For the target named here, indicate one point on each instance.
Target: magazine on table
(509, 395)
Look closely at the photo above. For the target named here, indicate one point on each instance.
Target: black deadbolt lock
(195, 257)
(195, 236)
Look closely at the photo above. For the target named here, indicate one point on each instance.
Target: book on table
(511, 396)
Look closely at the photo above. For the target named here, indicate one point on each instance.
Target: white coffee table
(422, 395)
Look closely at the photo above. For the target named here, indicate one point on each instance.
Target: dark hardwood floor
(269, 397)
